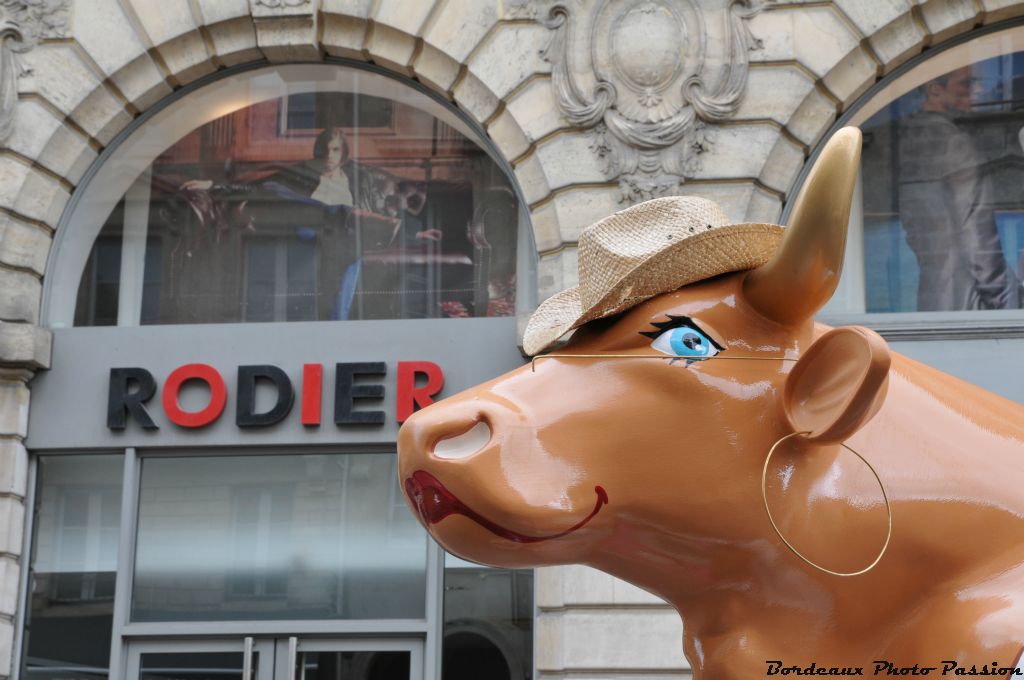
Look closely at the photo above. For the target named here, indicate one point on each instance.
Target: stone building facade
(595, 104)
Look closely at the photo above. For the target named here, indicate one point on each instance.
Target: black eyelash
(674, 321)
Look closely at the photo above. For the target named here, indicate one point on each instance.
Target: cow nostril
(465, 444)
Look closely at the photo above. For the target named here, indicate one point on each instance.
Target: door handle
(247, 659)
(293, 652)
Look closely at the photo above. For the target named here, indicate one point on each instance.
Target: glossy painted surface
(677, 449)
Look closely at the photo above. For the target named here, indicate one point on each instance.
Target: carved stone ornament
(23, 23)
(643, 86)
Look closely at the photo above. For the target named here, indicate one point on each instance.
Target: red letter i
(312, 381)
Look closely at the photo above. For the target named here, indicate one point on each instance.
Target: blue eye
(685, 341)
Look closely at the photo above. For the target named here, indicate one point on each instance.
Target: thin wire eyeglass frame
(716, 357)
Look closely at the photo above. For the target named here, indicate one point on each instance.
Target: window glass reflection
(194, 666)
(488, 622)
(276, 537)
(354, 665)
(307, 206)
(74, 566)
(943, 210)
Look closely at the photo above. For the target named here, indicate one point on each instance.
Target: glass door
(237, 659)
(320, 659)
(291, 658)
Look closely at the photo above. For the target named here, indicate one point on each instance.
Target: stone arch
(111, 64)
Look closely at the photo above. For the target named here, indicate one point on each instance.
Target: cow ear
(838, 384)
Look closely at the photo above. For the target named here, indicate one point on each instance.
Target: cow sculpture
(652, 470)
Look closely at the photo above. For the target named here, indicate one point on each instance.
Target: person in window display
(945, 205)
(352, 206)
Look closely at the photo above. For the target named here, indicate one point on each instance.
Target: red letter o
(218, 395)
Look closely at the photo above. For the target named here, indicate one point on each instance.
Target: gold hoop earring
(764, 499)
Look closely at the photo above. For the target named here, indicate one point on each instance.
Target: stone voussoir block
(869, 17)
(215, 11)
(511, 54)
(101, 115)
(25, 345)
(435, 69)
(782, 166)
(344, 36)
(59, 75)
(107, 34)
(773, 93)
(570, 262)
(535, 110)
(508, 136)
(999, 10)
(22, 294)
(13, 467)
(545, 227)
(68, 154)
(287, 36)
(404, 16)
(852, 76)
(474, 97)
(141, 82)
(13, 411)
(34, 124)
(460, 26)
(22, 245)
(9, 582)
(391, 48)
(898, 41)
(737, 151)
(817, 37)
(532, 181)
(947, 18)
(568, 159)
(764, 207)
(234, 40)
(550, 275)
(6, 645)
(353, 8)
(163, 21)
(812, 118)
(187, 57)
(12, 517)
(41, 198)
(27, 191)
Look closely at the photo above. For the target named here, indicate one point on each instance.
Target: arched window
(938, 219)
(293, 193)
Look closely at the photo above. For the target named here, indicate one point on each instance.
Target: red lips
(435, 502)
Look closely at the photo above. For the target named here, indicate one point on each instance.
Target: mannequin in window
(945, 205)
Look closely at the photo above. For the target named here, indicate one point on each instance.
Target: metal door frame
(289, 648)
(264, 647)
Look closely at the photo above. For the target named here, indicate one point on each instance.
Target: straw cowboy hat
(645, 250)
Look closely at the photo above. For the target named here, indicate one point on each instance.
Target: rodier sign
(355, 383)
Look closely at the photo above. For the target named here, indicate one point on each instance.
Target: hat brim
(729, 248)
